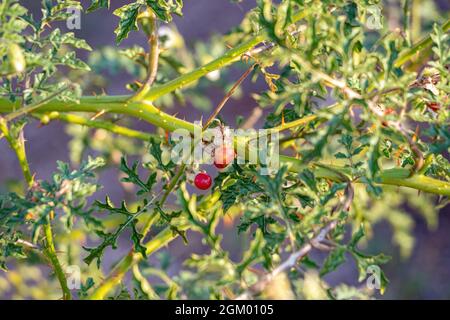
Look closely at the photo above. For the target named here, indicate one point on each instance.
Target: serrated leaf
(128, 20)
(357, 237)
(165, 8)
(333, 261)
(340, 155)
(133, 177)
(136, 237)
(97, 4)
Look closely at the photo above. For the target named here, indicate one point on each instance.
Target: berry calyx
(202, 181)
(223, 156)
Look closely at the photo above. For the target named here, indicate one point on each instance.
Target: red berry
(223, 156)
(203, 181)
(434, 106)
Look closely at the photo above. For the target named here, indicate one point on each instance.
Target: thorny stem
(142, 108)
(116, 276)
(229, 57)
(32, 107)
(18, 146)
(105, 125)
(50, 252)
(150, 27)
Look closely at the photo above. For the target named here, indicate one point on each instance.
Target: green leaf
(356, 238)
(157, 152)
(373, 155)
(97, 4)
(365, 263)
(340, 155)
(136, 237)
(333, 261)
(128, 16)
(307, 176)
(110, 239)
(133, 177)
(165, 8)
(235, 187)
(57, 39)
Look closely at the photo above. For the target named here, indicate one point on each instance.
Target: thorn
(98, 114)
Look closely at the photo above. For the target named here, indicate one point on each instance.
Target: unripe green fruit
(16, 59)
(45, 120)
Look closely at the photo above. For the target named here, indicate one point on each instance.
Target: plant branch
(229, 57)
(396, 176)
(105, 125)
(32, 107)
(50, 252)
(259, 286)
(418, 47)
(150, 27)
(17, 144)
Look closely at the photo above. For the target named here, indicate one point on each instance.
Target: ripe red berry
(203, 181)
(223, 156)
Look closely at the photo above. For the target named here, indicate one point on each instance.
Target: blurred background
(425, 274)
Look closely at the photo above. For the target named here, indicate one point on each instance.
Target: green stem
(50, 252)
(105, 125)
(231, 56)
(170, 123)
(396, 176)
(18, 146)
(416, 23)
(418, 47)
(30, 108)
(110, 104)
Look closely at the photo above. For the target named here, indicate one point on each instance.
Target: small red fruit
(223, 156)
(203, 181)
(434, 106)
